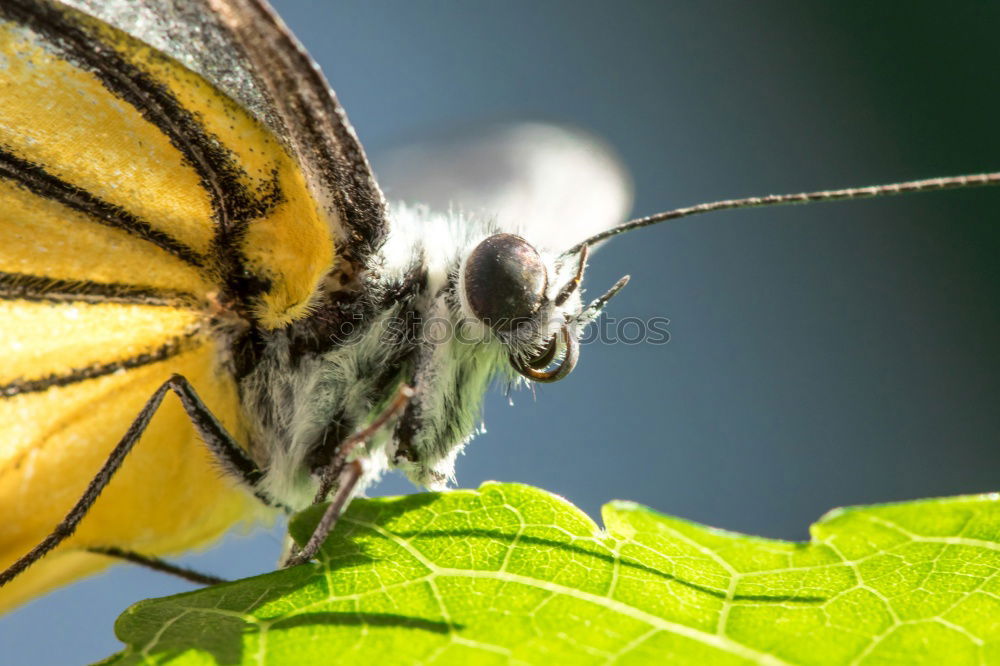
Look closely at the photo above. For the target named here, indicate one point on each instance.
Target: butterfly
(163, 236)
(242, 257)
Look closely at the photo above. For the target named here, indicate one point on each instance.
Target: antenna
(928, 185)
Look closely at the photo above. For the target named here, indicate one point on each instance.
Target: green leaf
(512, 574)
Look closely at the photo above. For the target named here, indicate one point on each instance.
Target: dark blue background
(820, 356)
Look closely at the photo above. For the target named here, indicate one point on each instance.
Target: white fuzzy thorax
(450, 374)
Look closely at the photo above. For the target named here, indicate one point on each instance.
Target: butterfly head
(530, 302)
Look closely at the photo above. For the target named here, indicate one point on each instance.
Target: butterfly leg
(224, 448)
(345, 475)
(156, 564)
(349, 479)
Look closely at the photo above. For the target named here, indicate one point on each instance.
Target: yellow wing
(134, 199)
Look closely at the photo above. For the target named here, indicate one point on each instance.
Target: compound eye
(505, 281)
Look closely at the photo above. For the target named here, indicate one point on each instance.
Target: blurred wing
(133, 196)
(553, 184)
